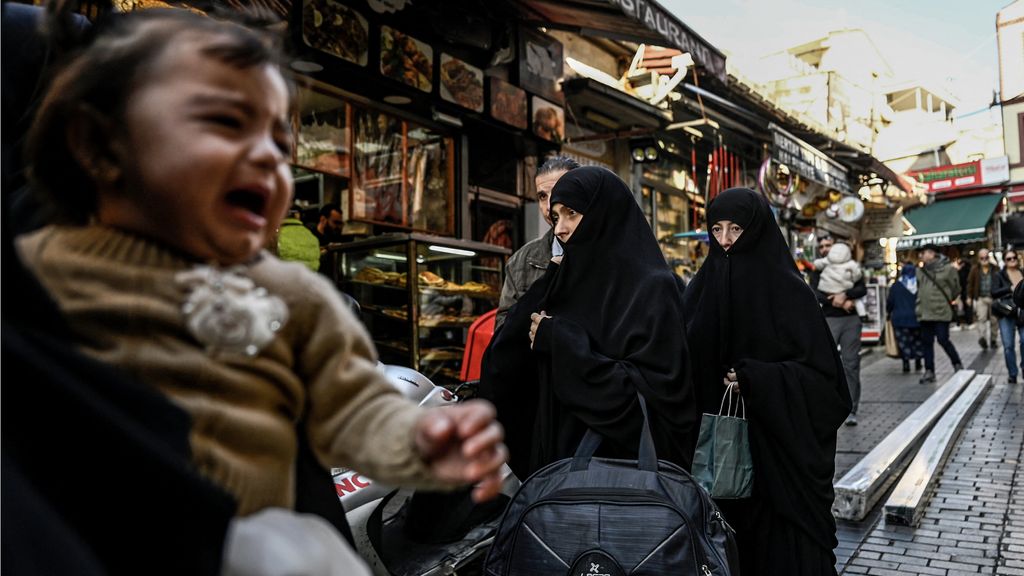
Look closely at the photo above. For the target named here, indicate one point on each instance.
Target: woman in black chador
(603, 324)
(755, 324)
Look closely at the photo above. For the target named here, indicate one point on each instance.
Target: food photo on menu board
(548, 120)
(406, 59)
(335, 29)
(508, 103)
(461, 83)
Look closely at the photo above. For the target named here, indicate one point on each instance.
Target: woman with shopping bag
(755, 329)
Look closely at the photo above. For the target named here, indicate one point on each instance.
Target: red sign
(969, 175)
(945, 178)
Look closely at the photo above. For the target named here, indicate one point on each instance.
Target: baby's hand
(463, 444)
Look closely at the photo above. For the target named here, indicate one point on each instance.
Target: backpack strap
(648, 457)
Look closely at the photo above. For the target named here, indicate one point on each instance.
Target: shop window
(379, 168)
(322, 143)
(403, 174)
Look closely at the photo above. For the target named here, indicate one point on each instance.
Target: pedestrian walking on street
(901, 304)
(844, 321)
(528, 264)
(979, 296)
(603, 324)
(964, 313)
(937, 287)
(753, 323)
(1011, 325)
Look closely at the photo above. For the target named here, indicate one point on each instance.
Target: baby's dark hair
(99, 80)
(557, 163)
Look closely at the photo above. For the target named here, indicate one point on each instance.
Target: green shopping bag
(722, 463)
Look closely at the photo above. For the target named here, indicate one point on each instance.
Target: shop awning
(955, 221)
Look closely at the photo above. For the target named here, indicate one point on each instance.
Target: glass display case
(419, 294)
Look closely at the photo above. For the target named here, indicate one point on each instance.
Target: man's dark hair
(557, 163)
(826, 237)
(326, 210)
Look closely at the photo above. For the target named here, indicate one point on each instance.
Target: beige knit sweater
(119, 295)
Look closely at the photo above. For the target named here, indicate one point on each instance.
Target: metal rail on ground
(864, 484)
(907, 502)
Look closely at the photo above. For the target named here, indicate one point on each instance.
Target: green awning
(956, 221)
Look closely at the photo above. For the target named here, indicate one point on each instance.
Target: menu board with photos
(335, 29)
(548, 120)
(508, 104)
(406, 59)
(461, 83)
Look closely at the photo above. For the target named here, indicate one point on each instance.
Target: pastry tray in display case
(421, 323)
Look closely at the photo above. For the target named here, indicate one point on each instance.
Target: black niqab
(750, 309)
(616, 328)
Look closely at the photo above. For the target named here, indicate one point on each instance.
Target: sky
(923, 40)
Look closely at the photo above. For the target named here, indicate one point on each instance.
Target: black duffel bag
(587, 515)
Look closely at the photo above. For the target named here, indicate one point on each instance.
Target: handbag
(722, 463)
(590, 515)
(892, 349)
(1003, 307)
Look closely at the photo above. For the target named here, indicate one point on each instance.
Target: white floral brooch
(227, 312)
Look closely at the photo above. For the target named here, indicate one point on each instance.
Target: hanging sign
(809, 162)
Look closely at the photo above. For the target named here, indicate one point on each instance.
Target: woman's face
(1012, 260)
(726, 233)
(565, 221)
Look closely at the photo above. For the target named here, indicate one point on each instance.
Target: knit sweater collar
(115, 244)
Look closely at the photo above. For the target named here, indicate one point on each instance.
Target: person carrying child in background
(839, 272)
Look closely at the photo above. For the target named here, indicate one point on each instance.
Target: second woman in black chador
(749, 311)
(616, 328)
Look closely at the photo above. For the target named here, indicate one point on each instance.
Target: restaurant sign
(658, 19)
(807, 161)
(966, 175)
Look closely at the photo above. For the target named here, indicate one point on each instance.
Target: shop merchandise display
(421, 323)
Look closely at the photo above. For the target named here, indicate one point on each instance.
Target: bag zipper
(634, 496)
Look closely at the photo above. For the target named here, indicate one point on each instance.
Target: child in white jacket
(839, 272)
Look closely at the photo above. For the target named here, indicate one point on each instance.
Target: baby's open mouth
(254, 201)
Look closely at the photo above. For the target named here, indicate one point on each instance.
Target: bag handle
(741, 405)
(647, 456)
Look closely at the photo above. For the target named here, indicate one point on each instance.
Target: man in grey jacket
(937, 286)
(528, 264)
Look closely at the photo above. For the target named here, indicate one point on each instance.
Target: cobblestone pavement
(974, 522)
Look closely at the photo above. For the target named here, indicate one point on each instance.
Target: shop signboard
(942, 239)
(966, 175)
(807, 161)
(658, 19)
(881, 222)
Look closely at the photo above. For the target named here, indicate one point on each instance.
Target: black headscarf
(616, 328)
(750, 309)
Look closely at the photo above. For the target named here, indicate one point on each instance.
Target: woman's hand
(535, 320)
(731, 381)
(556, 259)
(838, 299)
